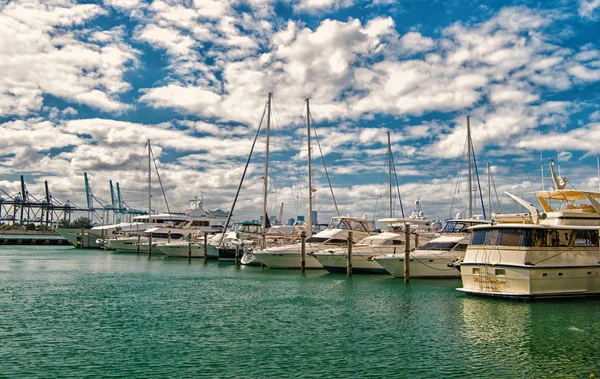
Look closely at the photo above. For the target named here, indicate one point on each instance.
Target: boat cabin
(534, 236)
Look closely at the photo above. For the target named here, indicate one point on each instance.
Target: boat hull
(361, 264)
(530, 282)
(287, 260)
(127, 245)
(74, 237)
(181, 250)
(432, 267)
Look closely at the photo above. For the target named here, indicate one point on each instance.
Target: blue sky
(86, 83)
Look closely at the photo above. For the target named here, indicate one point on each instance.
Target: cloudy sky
(85, 84)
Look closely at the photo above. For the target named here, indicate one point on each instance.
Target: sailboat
(336, 234)
(432, 260)
(392, 241)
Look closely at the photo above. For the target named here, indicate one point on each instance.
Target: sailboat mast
(489, 172)
(470, 212)
(390, 171)
(266, 178)
(310, 189)
(149, 183)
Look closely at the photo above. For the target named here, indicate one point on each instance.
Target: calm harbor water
(85, 313)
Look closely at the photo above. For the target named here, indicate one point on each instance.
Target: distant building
(300, 219)
(315, 217)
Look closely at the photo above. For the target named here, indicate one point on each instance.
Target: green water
(77, 313)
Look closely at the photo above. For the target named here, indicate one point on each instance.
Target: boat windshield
(443, 246)
(457, 226)
(375, 240)
(535, 237)
(362, 225)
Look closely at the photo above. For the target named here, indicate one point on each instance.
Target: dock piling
(303, 250)
(349, 256)
(406, 253)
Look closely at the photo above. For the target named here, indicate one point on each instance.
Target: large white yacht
(549, 253)
(336, 234)
(432, 260)
(165, 227)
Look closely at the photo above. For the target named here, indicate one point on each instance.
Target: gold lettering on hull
(488, 281)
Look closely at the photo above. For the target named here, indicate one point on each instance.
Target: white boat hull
(420, 265)
(360, 263)
(530, 282)
(127, 245)
(181, 250)
(287, 257)
(73, 236)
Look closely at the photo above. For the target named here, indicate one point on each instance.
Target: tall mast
(489, 172)
(149, 183)
(470, 212)
(266, 178)
(390, 171)
(310, 189)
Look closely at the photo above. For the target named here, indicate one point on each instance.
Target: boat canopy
(570, 197)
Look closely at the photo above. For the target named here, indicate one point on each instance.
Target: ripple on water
(69, 313)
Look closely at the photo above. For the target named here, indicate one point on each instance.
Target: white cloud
(588, 8)
(39, 56)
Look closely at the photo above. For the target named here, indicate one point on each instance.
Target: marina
(299, 189)
(70, 313)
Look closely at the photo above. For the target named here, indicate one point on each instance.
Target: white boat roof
(534, 226)
(350, 218)
(404, 221)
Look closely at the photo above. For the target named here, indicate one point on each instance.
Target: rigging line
(496, 192)
(379, 193)
(458, 177)
(162, 189)
(478, 182)
(324, 165)
(243, 176)
(530, 182)
(397, 185)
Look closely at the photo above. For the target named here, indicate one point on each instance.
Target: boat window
(316, 239)
(438, 246)
(501, 237)
(457, 227)
(357, 225)
(461, 246)
(336, 224)
(586, 238)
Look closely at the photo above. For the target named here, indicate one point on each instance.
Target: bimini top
(569, 197)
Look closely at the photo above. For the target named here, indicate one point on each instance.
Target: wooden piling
(237, 254)
(150, 245)
(205, 247)
(169, 237)
(416, 240)
(189, 245)
(138, 245)
(349, 256)
(82, 237)
(406, 253)
(303, 251)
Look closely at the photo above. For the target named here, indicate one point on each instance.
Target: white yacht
(437, 257)
(336, 234)
(549, 253)
(277, 235)
(333, 259)
(167, 227)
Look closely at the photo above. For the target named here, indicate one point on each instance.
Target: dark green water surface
(85, 313)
